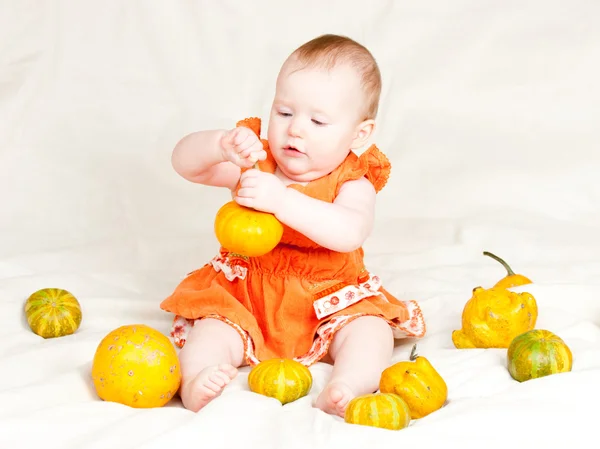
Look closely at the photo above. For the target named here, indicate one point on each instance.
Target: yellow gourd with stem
(417, 382)
(511, 279)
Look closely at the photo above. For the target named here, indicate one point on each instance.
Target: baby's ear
(362, 133)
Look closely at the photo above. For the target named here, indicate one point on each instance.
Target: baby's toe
(229, 370)
(219, 378)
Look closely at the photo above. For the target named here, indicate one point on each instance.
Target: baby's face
(314, 119)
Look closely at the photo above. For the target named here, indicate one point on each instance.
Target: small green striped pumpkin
(538, 353)
(53, 312)
(384, 410)
(283, 379)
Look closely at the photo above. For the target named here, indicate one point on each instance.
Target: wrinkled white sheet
(489, 115)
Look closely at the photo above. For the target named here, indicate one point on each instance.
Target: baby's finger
(245, 162)
(252, 173)
(254, 155)
(245, 192)
(249, 145)
(241, 136)
(248, 181)
(229, 136)
(247, 202)
(260, 155)
(252, 158)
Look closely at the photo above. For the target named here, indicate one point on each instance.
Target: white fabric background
(489, 115)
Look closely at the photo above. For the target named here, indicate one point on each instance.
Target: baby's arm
(214, 157)
(341, 226)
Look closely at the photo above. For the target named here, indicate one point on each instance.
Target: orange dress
(290, 302)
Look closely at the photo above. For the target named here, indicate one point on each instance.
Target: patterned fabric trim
(231, 271)
(346, 296)
(414, 327)
(182, 326)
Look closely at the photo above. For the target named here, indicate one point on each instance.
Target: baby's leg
(360, 351)
(209, 360)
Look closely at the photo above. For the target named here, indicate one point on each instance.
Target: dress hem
(414, 327)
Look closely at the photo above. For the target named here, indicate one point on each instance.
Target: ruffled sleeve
(253, 123)
(372, 164)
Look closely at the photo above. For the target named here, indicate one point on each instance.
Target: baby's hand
(242, 147)
(261, 191)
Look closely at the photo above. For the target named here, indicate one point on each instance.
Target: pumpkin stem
(413, 353)
(493, 256)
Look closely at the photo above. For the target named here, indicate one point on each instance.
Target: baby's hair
(329, 50)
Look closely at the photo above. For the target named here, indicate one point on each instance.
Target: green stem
(493, 256)
(413, 353)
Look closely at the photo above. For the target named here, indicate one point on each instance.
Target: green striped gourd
(282, 379)
(53, 312)
(538, 353)
(384, 410)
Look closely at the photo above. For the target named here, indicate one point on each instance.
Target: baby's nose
(294, 130)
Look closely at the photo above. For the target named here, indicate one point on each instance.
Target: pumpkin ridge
(37, 312)
(395, 411)
(356, 412)
(70, 320)
(554, 365)
(294, 375)
(42, 326)
(374, 415)
(281, 384)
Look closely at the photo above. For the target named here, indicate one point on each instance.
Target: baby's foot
(334, 398)
(207, 385)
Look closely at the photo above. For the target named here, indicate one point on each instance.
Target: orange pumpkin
(246, 231)
(417, 382)
(511, 279)
(283, 379)
(53, 312)
(137, 366)
(384, 410)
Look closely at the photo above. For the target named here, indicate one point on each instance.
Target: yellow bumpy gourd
(493, 317)
(417, 382)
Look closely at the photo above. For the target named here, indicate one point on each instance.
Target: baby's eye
(317, 122)
(285, 114)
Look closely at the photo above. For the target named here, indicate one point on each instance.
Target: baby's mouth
(290, 148)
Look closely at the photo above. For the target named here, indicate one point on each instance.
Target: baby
(311, 298)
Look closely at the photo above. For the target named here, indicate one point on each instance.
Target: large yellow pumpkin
(283, 379)
(417, 382)
(493, 317)
(137, 366)
(538, 353)
(384, 410)
(53, 312)
(246, 231)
